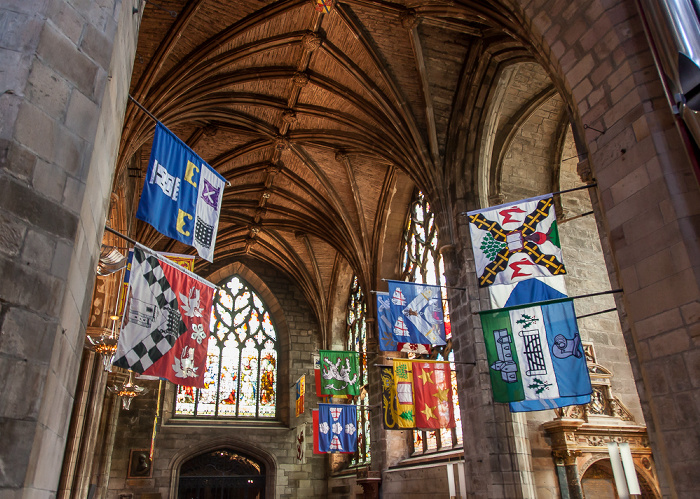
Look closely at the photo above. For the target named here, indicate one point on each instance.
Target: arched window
(241, 376)
(421, 262)
(357, 341)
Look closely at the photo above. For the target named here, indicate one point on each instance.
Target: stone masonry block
(25, 335)
(58, 52)
(67, 20)
(21, 400)
(48, 91)
(82, 116)
(96, 45)
(25, 203)
(29, 288)
(49, 180)
(18, 31)
(662, 296)
(14, 454)
(12, 233)
(26, 6)
(9, 109)
(35, 131)
(73, 153)
(16, 159)
(669, 343)
(15, 69)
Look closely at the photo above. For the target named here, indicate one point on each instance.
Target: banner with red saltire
(166, 323)
(432, 391)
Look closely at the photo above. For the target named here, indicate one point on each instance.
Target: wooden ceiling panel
(393, 43)
(340, 35)
(323, 123)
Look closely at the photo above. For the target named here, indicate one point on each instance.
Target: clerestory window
(356, 339)
(241, 376)
(421, 262)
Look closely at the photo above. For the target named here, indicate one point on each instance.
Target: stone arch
(602, 466)
(232, 443)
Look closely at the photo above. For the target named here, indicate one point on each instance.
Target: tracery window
(241, 376)
(421, 262)
(357, 341)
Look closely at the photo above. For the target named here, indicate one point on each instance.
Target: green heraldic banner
(340, 372)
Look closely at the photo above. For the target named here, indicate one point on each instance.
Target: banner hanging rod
(421, 284)
(153, 117)
(589, 295)
(431, 360)
(117, 233)
(587, 186)
(138, 104)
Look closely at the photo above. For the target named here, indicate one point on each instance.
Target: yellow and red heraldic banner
(432, 392)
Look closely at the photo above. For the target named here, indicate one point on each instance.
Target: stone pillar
(496, 451)
(63, 90)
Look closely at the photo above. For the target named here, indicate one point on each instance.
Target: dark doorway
(222, 474)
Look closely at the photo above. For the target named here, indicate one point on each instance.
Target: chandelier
(105, 344)
(128, 391)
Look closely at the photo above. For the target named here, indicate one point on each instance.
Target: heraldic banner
(432, 392)
(337, 428)
(417, 313)
(516, 241)
(534, 352)
(182, 194)
(389, 415)
(403, 383)
(340, 372)
(165, 328)
(301, 389)
(385, 326)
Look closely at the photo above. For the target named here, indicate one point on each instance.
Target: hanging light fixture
(105, 343)
(128, 391)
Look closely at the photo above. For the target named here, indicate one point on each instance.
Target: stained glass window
(357, 341)
(421, 262)
(241, 376)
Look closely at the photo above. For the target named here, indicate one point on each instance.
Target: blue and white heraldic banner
(337, 428)
(182, 194)
(417, 313)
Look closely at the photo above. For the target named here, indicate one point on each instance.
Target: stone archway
(598, 482)
(222, 473)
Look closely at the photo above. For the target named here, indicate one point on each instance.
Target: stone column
(66, 72)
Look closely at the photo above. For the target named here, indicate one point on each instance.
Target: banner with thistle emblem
(534, 352)
(516, 241)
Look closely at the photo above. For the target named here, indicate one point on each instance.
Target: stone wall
(274, 444)
(66, 67)
(648, 201)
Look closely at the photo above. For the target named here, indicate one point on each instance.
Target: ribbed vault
(324, 123)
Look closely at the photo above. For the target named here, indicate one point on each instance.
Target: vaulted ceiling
(325, 122)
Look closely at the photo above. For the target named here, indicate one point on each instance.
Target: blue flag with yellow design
(182, 194)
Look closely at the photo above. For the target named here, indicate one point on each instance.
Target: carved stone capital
(282, 144)
(210, 130)
(341, 156)
(568, 456)
(311, 41)
(300, 79)
(496, 199)
(584, 171)
(289, 116)
(409, 19)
